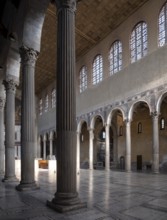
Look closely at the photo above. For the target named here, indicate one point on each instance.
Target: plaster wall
(46, 121)
(145, 74)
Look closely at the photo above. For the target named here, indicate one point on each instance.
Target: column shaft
(107, 153)
(28, 117)
(78, 152)
(128, 146)
(2, 147)
(91, 138)
(155, 167)
(66, 113)
(44, 149)
(10, 86)
(51, 147)
(66, 197)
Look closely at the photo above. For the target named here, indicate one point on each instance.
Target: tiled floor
(109, 195)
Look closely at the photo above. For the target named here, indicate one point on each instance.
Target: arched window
(139, 127)
(138, 42)
(162, 124)
(115, 57)
(53, 98)
(46, 103)
(102, 135)
(162, 21)
(40, 107)
(97, 70)
(83, 79)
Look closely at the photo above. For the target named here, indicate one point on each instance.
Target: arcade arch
(141, 136)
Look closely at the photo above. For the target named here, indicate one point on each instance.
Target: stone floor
(109, 195)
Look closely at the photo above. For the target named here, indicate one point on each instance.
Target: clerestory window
(115, 57)
(46, 103)
(53, 98)
(97, 70)
(83, 79)
(138, 42)
(40, 107)
(162, 23)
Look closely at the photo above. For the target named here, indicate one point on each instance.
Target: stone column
(91, 138)
(39, 147)
(28, 117)
(155, 164)
(107, 153)
(128, 146)
(78, 152)
(66, 197)
(44, 147)
(10, 87)
(51, 146)
(2, 147)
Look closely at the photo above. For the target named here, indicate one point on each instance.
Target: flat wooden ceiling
(95, 19)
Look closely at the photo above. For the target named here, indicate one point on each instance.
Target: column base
(65, 203)
(155, 172)
(107, 169)
(27, 186)
(128, 171)
(10, 179)
(2, 173)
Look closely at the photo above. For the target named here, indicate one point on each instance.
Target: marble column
(10, 87)
(66, 197)
(39, 147)
(107, 153)
(51, 147)
(28, 117)
(2, 147)
(78, 152)
(128, 146)
(44, 147)
(155, 167)
(91, 138)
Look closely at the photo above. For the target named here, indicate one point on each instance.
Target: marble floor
(109, 195)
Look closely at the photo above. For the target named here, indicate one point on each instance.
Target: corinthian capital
(70, 4)
(154, 114)
(2, 103)
(10, 85)
(28, 55)
(127, 121)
